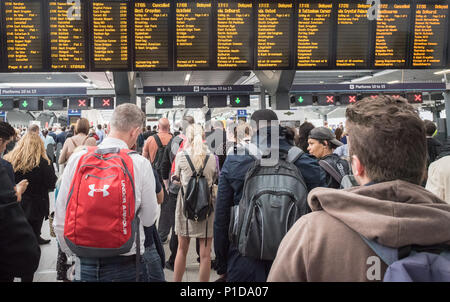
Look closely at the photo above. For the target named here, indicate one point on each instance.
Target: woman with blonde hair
(29, 160)
(201, 158)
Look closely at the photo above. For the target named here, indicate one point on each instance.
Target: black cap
(324, 133)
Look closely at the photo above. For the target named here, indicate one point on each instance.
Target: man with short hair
(388, 157)
(100, 134)
(126, 125)
(268, 136)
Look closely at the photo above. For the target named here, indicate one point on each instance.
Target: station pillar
(447, 111)
(277, 84)
(124, 86)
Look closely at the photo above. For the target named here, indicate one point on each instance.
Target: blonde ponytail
(197, 149)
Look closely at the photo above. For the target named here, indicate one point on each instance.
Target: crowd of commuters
(399, 196)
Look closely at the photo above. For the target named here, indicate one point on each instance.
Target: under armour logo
(93, 190)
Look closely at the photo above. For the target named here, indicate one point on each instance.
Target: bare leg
(180, 260)
(205, 259)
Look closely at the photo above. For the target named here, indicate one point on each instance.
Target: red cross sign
(330, 99)
(417, 98)
(81, 103)
(106, 102)
(352, 98)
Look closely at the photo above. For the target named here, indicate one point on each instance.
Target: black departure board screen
(234, 34)
(352, 35)
(274, 35)
(217, 101)
(194, 101)
(430, 31)
(23, 35)
(152, 35)
(240, 100)
(67, 38)
(391, 38)
(193, 34)
(162, 102)
(110, 35)
(313, 32)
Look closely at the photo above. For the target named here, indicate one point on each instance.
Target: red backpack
(100, 213)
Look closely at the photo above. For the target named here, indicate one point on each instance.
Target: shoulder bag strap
(388, 255)
(294, 154)
(328, 168)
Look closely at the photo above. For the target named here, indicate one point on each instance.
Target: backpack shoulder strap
(388, 255)
(328, 168)
(158, 141)
(294, 154)
(204, 165)
(190, 163)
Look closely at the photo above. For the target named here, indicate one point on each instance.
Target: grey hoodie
(325, 245)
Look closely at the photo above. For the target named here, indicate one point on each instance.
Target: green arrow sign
(25, 104)
(160, 101)
(1, 104)
(300, 99)
(50, 103)
(237, 101)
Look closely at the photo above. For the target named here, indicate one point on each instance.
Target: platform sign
(104, 103)
(415, 98)
(240, 100)
(80, 103)
(303, 100)
(163, 101)
(6, 104)
(30, 104)
(54, 104)
(326, 99)
(348, 99)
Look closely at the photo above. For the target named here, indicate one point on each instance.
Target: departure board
(193, 34)
(23, 35)
(110, 35)
(352, 35)
(152, 34)
(67, 38)
(234, 34)
(430, 30)
(314, 27)
(274, 35)
(391, 38)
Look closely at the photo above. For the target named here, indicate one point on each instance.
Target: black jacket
(434, 147)
(231, 184)
(19, 249)
(42, 179)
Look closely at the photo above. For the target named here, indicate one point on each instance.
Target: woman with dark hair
(81, 138)
(304, 131)
(338, 133)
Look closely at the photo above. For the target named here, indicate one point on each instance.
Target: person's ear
(357, 167)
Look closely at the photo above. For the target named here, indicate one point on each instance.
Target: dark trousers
(167, 218)
(36, 224)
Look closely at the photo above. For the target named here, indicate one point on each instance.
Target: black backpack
(273, 199)
(159, 154)
(336, 167)
(197, 198)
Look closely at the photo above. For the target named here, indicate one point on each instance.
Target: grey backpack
(273, 198)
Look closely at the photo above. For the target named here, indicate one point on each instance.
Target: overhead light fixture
(39, 85)
(188, 76)
(340, 76)
(445, 71)
(394, 82)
